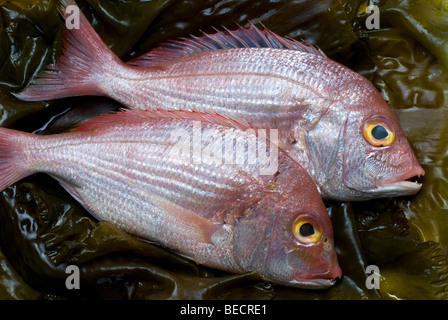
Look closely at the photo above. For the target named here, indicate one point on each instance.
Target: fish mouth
(408, 183)
(318, 281)
(314, 283)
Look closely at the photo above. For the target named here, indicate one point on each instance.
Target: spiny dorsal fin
(251, 37)
(129, 115)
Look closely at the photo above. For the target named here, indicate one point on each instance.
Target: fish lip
(408, 187)
(318, 281)
(321, 283)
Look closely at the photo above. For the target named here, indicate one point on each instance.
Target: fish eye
(306, 230)
(378, 133)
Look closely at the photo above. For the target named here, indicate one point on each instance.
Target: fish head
(359, 150)
(293, 247)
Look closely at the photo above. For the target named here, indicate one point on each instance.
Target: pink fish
(146, 172)
(330, 119)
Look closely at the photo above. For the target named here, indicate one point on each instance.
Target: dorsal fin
(251, 37)
(129, 115)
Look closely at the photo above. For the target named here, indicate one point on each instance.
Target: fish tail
(12, 161)
(80, 68)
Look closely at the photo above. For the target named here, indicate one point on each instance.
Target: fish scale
(245, 90)
(145, 166)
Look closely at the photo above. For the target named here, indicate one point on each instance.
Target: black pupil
(306, 230)
(379, 132)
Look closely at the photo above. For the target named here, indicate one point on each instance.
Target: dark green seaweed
(43, 230)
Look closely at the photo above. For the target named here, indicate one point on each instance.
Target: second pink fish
(159, 176)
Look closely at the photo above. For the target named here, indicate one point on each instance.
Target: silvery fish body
(330, 119)
(187, 183)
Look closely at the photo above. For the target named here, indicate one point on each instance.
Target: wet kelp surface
(43, 230)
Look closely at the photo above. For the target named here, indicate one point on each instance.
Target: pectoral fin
(192, 226)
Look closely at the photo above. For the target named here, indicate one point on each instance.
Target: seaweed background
(43, 230)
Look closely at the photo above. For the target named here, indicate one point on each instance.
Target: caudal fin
(80, 67)
(12, 163)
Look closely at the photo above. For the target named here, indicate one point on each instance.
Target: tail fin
(80, 66)
(12, 163)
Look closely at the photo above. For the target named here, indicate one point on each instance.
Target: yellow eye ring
(378, 133)
(306, 230)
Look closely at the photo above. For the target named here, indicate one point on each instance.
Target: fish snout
(323, 272)
(334, 274)
(334, 271)
(407, 182)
